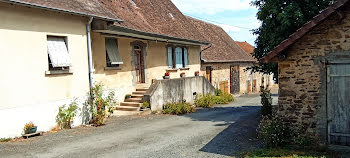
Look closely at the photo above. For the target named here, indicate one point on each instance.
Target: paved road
(219, 132)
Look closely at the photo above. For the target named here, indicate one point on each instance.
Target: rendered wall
(27, 94)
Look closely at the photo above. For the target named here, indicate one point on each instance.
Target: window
(58, 53)
(113, 58)
(177, 57)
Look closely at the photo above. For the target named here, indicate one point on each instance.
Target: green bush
(65, 115)
(145, 105)
(99, 105)
(205, 101)
(2, 140)
(266, 101)
(208, 100)
(178, 108)
(218, 92)
(274, 132)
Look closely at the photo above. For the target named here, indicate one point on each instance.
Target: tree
(279, 19)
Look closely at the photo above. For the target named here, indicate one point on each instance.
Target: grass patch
(3, 140)
(286, 153)
(178, 108)
(208, 100)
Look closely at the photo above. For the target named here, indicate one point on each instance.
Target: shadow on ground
(239, 136)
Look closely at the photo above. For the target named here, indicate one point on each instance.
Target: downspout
(204, 50)
(88, 33)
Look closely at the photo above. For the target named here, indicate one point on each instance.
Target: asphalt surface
(222, 131)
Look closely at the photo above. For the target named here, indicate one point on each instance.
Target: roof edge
(156, 35)
(16, 2)
(302, 31)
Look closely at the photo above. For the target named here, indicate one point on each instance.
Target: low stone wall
(175, 90)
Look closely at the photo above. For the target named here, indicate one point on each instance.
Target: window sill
(112, 68)
(172, 70)
(59, 72)
(186, 68)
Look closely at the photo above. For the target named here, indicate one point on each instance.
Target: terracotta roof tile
(223, 47)
(249, 49)
(154, 16)
(82, 7)
(304, 30)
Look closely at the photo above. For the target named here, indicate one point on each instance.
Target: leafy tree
(280, 19)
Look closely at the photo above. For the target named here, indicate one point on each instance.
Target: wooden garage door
(338, 108)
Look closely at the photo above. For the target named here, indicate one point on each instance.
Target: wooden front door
(140, 66)
(338, 104)
(224, 86)
(234, 80)
(208, 70)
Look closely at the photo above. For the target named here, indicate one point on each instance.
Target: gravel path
(219, 132)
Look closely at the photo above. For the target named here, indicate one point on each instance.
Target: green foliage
(266, 101)
(2, 140)
(218, 92)
(66, 115)
(99, 105)
(274, 132)
(205, 101)
(178, 108)
(208, 100)
(287, 153)
(145, 105)
(279, 19)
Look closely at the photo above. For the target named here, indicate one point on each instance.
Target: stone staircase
(132, 105)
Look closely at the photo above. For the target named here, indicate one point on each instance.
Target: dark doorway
(208, 73)
(140, 65)
(234, 80)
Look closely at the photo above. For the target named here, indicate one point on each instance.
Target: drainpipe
(204, 50)
(88, 33)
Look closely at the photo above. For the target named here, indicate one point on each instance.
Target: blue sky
(236, 17)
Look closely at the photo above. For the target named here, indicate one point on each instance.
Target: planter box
(31, 130)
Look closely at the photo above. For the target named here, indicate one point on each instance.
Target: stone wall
(175, 90)
(303, 77)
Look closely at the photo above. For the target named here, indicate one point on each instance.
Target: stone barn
(314, 75)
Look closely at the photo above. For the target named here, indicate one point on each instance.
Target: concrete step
(139, 92)
(136, 100)
(141, 89)
(132, 104)
(137, 96)
(119, 113)
(127, 108)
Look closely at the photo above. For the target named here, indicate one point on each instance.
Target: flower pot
(31, 130)
(166, 77)
(196, 74)
(127, 96)
(182, 75)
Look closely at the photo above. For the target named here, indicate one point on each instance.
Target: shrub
(145, 105)
(274, 132)
(218, 92)
(2, 140)
(178, 108)
(99, 105)
(266, 101)
(205, 101)
(65, 115)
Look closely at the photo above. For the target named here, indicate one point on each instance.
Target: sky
(236, 17)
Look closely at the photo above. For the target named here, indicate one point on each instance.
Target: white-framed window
(177, 57)
(113, 58)
(57, 50)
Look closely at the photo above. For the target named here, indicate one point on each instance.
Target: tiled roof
(249, 49)
(78, 7)
(223, 47)
(304, 30)
(153, 16)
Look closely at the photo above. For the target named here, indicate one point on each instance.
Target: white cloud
(211, 6)
(229, 28)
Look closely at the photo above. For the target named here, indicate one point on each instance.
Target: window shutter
(170, 57)
(112, 51)
(178, 52)
(185, 57)
(58, 52)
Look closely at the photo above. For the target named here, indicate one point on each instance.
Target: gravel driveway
(219, 132)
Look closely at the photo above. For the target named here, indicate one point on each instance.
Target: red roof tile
(304, 30)
(223, 47)
(249, 49)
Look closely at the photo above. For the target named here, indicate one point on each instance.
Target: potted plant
(166, 75)
(196, 73)
(29, 128)
(128, 96)
(182, 74)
